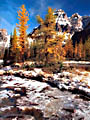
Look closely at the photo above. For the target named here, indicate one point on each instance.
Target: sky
(9, 8)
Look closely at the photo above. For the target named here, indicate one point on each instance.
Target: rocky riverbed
(36, 95)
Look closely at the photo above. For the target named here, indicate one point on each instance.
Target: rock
(76, 22)
(17, 65)
(38, 71)
(20, 90)
(38, 114)
(80, 117)
(69, 107)
(2, 72)
(1, 62)
(43, 99)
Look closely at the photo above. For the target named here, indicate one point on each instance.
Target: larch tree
(23, 18)
(47, 31)
(87, 48)
(80, 49)
(83, 52)
(14, 46)
(47, 40)
(76, 50)
(69, 48)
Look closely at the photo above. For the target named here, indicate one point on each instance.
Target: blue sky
(9, 8)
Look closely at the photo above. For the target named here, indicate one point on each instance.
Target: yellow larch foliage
(49, 42)
(23, 18)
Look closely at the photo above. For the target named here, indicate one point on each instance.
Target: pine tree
(23, 18)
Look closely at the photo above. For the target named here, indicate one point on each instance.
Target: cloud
(5, 24)
(41, 6)
(38, 8)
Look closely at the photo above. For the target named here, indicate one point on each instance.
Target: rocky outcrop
(76, 22)
(85, 20)
(82, 35)
(4, 41)
(4, 38)
(64, 23)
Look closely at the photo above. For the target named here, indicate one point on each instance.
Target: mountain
(73, 24)
(85, 20)
(82, 35)
(4, 37)
(76, 27)
(4, 41)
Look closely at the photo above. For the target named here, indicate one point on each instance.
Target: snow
(30, 40)
(4, 94)
(38, 71)
(1, 61)
(25, 83)
(6, 108)
(76, 62)
(7, 44)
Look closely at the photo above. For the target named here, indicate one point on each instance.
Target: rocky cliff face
(4, 41)
(85, 20)
(62, 21)
(72, 24)
(82, 35)
(76, 22)
(4, 38)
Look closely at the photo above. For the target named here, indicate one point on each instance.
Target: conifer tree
(87, 48)
(80, 49)
(14, 43)
(23, 18)
(83, 52)
(76, 50)
(47, 40)
(69, 48)
(14, 46)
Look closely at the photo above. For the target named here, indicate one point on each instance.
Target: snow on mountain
(72, 24)
(62, 18)
(76, 22)
(4, 38)
(4, 41)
